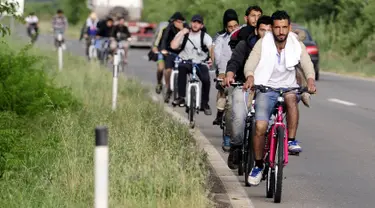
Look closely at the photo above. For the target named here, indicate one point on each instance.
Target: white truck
(142, 32)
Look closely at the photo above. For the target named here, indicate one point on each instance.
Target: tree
(8, 8)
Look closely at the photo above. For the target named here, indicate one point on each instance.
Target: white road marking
(343, 102)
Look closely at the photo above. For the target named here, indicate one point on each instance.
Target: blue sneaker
(255, 176)
(294, 147)
(226, 143)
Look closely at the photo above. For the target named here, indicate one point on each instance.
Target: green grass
(47, 160)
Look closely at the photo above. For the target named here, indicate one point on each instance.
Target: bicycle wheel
(279, 164)
(269, 172)
(241, 161)
(175, 87)
(192, 107)
(249, 157)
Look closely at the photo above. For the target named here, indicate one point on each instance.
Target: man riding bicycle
(121, 34)
(177, 24)
(272, 63)
(235, 72)
(230, 23)
(89, 30)
(189, 41)
(158, 57)
(252, 15)
(104, 33)
(59, 26)
(32, 22)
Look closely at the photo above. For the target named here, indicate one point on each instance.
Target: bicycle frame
(174, 74)
(194, 82)
(278, 121)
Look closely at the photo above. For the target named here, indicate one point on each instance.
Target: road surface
(336, 168)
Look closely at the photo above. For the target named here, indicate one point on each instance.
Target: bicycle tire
(249, 157)
(241, 162)
(192, 107)
(175, 87)
(270, 173)
(280, 163)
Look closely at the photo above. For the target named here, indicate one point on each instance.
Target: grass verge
(47, 159)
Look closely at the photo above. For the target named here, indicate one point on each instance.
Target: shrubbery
(24, 87)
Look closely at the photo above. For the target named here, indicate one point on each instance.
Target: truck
(142, 32)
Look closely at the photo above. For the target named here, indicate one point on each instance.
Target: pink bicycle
(276, 145)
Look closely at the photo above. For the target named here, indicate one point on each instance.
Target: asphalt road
(336, 168)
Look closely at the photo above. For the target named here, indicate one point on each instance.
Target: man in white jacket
(230, 23)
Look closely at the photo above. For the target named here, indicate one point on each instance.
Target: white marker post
(115, 80)
(101, 167)
(60, 51)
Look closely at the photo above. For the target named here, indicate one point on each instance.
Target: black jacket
(123, 30)
(242, 34)
(239, 56)
(169, 33)
(104, 30)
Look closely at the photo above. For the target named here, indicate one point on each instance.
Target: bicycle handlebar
(234, 84)
(299, 90)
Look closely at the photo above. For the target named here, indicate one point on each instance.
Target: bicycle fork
(197, 94)
(172, 79)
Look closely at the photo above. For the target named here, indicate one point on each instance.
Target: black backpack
(186, 39)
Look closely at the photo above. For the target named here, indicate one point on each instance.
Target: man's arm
(237, 57)
(217, 48)
(177, 40)
(127, 32)
(253, 60)
(306, 63)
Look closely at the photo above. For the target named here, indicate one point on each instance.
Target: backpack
(186, 39)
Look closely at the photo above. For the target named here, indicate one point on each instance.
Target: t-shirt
(32, 19)
(195, 54)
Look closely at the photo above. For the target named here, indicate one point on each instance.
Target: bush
(25, 88)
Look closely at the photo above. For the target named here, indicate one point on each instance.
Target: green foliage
(346, 26)
(24, 88)
(8, 8)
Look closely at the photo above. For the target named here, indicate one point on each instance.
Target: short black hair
(264, 20)
(60, 11)
(280, 15)
(251, 8)
(109, 19)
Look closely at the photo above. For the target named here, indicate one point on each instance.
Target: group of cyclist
(265, 51)
(108, 29)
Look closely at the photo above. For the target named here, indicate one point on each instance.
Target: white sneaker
(255, 176)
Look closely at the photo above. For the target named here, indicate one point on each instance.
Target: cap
(198, 18)
(177, 16)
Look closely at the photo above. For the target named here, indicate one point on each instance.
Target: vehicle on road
(311, 47)
(141, 32)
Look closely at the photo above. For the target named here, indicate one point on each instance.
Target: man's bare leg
(292, 118)
(167, 77)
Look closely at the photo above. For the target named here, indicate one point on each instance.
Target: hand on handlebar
(311, 86)
(229, 79)
(249, 84)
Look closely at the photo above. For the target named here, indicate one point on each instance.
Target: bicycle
(59, 43)
(276, 144)
(103, 47)
(174, 75)
(193, 94)
(93, 52)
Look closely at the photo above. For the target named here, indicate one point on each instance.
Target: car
(311, 47)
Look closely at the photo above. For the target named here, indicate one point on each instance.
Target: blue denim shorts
(265, 104)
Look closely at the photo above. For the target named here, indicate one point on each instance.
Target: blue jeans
(265, 104)
(239, 113)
